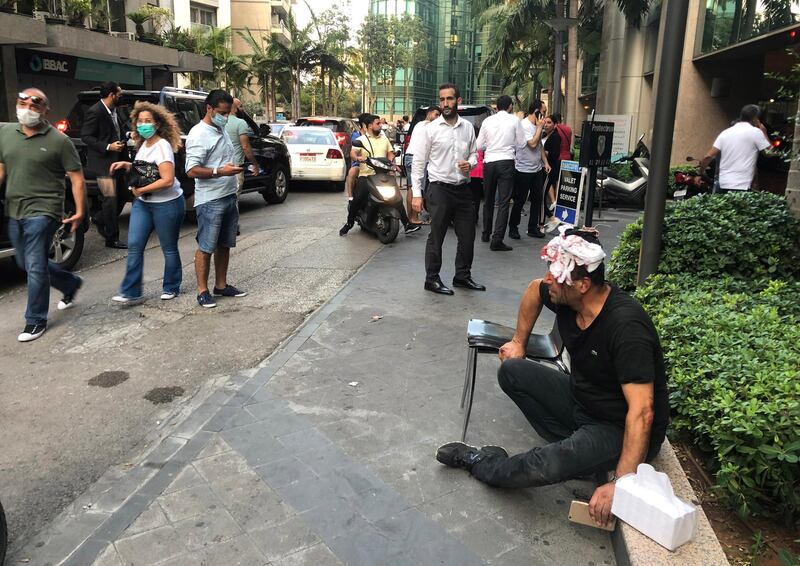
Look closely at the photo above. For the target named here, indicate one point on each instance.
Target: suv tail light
(62, 126)
(334, 154)
(341, 137)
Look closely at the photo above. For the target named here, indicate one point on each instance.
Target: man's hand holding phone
(229, 170)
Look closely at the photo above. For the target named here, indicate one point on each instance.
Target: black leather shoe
(468, 283)
(537, 234)
(484, 237)
(513, 234)
(116, 244)
(438, 287)
(499, 246)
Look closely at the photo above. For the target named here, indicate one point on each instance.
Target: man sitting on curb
(610, 413)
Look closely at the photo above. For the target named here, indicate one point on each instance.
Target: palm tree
(298, 56)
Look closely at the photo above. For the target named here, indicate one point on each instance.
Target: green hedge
(726, 303)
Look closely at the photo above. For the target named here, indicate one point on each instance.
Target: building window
(203, 15)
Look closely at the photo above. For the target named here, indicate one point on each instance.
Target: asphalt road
(74, 402)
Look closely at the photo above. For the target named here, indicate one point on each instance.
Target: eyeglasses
(37, 100)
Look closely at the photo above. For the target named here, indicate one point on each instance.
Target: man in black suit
(104, 133)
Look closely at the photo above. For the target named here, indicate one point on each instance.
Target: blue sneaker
(229, 291)
(205, 300)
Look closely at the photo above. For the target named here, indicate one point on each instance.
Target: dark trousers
(446, 203)
(31, 238)
(579, 445)
(360, 198)
(107, 218)
(527, 185)
(476, 188)
(498, 179)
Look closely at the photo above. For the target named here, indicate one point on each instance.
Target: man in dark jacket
(103, 132)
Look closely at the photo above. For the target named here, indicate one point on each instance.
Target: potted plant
(98, 18)
(77, 10)
(139, 18)
(8, 5)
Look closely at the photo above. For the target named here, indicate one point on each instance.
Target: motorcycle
(689, 184)
(380, 214)
(627, 193)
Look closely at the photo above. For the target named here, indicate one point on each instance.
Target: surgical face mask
(219, 120)
(28, 117)
(147, 131)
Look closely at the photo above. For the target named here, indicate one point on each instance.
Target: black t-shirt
(620, 346)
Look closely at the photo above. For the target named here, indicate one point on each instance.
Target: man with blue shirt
(210, 162)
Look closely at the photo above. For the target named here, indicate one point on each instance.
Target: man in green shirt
(34, 158)
(239, 133)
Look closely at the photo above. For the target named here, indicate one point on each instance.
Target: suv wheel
(278, 190)
(67, 247)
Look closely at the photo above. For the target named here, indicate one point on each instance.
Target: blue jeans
(166, 219)
(578, 445)
(31, 238)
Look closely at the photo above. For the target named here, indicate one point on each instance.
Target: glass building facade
(728, 22)
(454, 49)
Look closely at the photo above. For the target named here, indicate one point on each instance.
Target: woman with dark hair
(552, 146)
(158, 205)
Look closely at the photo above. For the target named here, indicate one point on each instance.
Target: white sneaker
(125, 300)
(68, 300)
(168, 296)
(551, 225)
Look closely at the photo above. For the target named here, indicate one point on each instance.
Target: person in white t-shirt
(737, 149)
(158, 206)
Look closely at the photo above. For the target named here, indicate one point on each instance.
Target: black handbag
(143, 173)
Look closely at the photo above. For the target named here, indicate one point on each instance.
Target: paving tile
(334, 518)
(109, 557)
(151, 547)
(285, 472)
(221, 466)
(449, 552)
(523, 555)
(215, 446)
(409, 529)
(281, 422)
(304, 441)
(486, 537)
(212, 527)
(255, 444)
(376, 504)
(187, 477)
(311, 493)
(239, 551)
(152, 518)
(367, 547)
(325, 459)
(190, 502)
(455, 509)
(250, 501)
(317, 555)
(282, 539)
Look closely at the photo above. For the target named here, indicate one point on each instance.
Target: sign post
(597, 140)
(570, 192)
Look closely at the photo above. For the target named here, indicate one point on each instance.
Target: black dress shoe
(499, 246)
(468, 283)
(438, 287)
(537, 234)
(513, 234)
(116, 244)
(484, 237)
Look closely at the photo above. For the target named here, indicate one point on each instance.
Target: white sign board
(622, 133)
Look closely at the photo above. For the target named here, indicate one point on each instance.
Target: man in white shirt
(530, 168)
(500, 135)
(408, 159)
(447, 146)
(737, 149)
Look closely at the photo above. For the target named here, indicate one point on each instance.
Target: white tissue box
(646, 502)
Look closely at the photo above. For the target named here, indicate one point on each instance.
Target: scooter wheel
(387, 229)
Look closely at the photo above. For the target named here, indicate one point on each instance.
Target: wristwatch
(214, 172)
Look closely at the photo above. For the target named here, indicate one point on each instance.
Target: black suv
(188, 106)
(67, 246)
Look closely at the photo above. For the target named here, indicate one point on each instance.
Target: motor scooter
(380, 214)
(689, 184)
(617, 192)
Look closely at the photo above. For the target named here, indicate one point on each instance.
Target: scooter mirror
(641, 138)
(358, 143)
(690, 158)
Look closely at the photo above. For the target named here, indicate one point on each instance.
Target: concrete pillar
(793, 181)
(8, 62)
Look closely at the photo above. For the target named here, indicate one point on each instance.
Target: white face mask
(28, 117)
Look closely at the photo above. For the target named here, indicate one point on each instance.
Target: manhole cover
(109, 378)
(163, 394)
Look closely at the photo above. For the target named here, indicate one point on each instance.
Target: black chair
(484, 337)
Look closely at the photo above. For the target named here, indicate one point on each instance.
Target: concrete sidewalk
(324, 453)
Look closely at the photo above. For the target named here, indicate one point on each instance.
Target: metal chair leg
(471, 354)
(470, 396)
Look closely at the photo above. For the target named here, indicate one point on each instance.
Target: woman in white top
(159, 205)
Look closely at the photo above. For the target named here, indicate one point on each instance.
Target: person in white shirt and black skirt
(449, 149)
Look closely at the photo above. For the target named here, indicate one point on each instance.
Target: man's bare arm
(2, 173)
(78, 185)
(713, 153)
(529, 309)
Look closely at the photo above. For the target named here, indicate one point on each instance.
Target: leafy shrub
(621, 171)
(677, 169)
(732, 349)
(748, 235)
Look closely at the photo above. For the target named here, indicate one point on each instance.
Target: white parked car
(315, 155)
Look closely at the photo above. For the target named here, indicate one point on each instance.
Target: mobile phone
(579, 513)
(537, 114)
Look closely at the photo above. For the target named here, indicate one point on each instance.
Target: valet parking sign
(570, 192)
